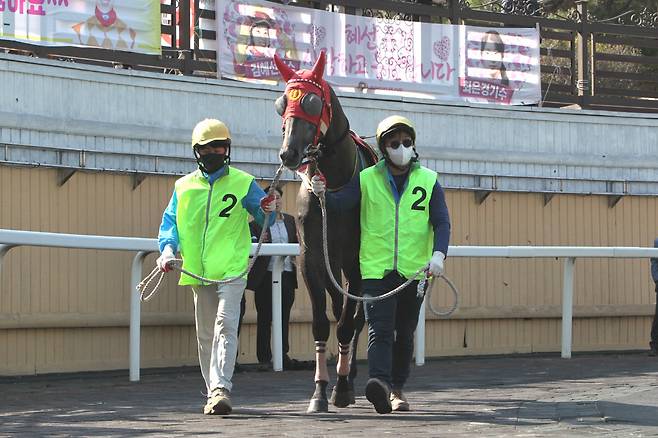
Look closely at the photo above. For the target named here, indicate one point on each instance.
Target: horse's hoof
(317, 405)
(342, 397)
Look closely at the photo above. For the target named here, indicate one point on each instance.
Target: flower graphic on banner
(317, 33)
(442, 49)
(394, 53)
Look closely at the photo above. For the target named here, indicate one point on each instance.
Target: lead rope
(177, 264)
(420, 290)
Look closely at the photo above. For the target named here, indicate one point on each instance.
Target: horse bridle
(315, 150)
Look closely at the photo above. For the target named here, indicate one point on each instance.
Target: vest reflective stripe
(395, 236)
(213, 226)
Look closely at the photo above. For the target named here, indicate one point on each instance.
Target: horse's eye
(312, 104)
(280, 105)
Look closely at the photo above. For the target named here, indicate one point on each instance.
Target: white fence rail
(568, 253)
(11, 238)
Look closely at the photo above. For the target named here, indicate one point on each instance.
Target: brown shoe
(219, 403)
(399, 400)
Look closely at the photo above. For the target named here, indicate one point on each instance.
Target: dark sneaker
(378, 394)
(294, 364)
(219, 403)
(399, 401)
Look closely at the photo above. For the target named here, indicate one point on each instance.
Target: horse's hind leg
(359, 322)
(343, 393)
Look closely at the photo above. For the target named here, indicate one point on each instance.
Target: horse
(317, 138)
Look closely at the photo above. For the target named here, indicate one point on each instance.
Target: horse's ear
(286, 72)
(318, 68)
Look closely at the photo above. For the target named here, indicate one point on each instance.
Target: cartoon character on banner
(253, 40)
(105, 29)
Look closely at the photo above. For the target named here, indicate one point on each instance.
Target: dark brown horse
(317, 138)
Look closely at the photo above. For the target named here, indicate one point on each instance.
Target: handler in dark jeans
(282, 230)
(404, 227)
(654, 325)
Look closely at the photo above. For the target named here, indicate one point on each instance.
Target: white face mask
(400, 156)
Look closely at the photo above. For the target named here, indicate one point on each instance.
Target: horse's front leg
(313, 273)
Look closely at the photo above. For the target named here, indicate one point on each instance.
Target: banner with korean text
(444, 62)
(129, 25)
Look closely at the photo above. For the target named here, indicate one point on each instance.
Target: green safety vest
(213, 226)
(395, 236)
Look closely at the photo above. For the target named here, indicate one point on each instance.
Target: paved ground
(589, 395)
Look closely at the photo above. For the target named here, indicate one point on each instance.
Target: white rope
(176, 264)
(455, 294)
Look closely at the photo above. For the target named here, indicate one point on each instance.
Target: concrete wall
(67, 310)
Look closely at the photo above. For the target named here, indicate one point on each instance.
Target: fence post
(455, 11)
(277, 323)
(583, 85)
(135, 315)
(184, 35)
(420, 335)
(567, 306)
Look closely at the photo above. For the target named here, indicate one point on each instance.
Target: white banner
(444, 62)
(129, 25)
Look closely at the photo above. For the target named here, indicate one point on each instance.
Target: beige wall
(67, 310)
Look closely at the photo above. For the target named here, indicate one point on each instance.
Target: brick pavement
(589, 395)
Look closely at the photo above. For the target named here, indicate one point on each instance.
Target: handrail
(569, 253)
(13, 238)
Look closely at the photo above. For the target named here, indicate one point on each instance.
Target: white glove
(166, 256)
(436, 263)
(318, 184)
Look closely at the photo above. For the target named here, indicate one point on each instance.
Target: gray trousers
(217, 312)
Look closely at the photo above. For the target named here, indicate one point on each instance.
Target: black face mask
(211, 163)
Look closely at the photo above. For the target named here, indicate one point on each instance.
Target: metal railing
(11, 238)
(568, 253)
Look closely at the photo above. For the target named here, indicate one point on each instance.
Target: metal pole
(420, 336)
(583, 86)
(135, 315)
(567, 306)
(277, 329)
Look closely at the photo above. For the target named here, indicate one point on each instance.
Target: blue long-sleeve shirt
(654, 264)
(168, 234)
(349, 196)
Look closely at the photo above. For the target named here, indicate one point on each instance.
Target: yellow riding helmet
(392, 123)
(209, 130)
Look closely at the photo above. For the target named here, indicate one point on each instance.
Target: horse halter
(307, 96)
(309, 100)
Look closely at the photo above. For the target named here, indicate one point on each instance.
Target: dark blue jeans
(391, 326)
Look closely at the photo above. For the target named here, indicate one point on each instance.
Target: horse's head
(305, 108)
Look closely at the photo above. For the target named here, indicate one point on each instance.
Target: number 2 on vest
(232, 199)
(423, 194)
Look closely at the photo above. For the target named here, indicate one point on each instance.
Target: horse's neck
(339, 161)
